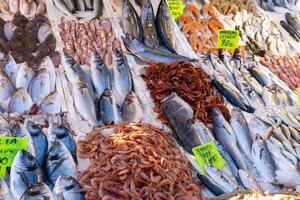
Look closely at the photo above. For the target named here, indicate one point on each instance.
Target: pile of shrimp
(228, 7)
(190, 83)
(201, 33)
(137, 161)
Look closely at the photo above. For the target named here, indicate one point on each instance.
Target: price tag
(208, 153)
(9, 147)
(228, 39)
(175, 8)
(298, 94)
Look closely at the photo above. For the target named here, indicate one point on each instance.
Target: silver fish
(20, 102)
(63, 7)
(5, 191)
(218, 65)
(286, 117)
(49, 66)
(24, 76)
(70, 5)
(268, 96)
(248, 181)
(212, 184)
(131, 109)
(52, 104)
(108, 108)
(11, 69)
(67, 187)
(96, 12)
(37, 191)
(294, 133)
(6, 87)
(251, 80)
(80, 5)
(40, 86)
(227, 60)
(88, 4)
(261, 76)
(286, 131)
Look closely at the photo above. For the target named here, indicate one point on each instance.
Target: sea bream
(40, 86)
(24, 76)
(11, 69)
(49, 66)
(20, 102)
(67, 187)
(6, 87)
(37, 191)
(52, 104)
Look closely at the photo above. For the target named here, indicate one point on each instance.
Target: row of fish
(23, 6)
(49, 163)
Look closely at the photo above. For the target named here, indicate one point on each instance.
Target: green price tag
(228, 39)
(175, 8)
(298, 93)
(9, 147)
(208, 153)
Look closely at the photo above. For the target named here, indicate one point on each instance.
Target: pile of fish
(285, 67)
(271, 4)
(292, 25)
(150, 38)
(86, 9)
(190, 83)
(135, 161)
(25, 85)
(233, 6)
(25, 7)
(47, 170)
(107, 95)
(201, 33)
(81, 40)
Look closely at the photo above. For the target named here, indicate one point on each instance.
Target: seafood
(229, 7)
(27, 8)
(52, 103)
(68, 188)
(37, 191)
(163, 178)
(6, 87)
(131, 110)
(4, 190)
(108, 108)
(39, 87)
(24, 76)
(20, 102)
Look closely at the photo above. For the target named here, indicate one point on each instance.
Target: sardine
(20, 102)
(52, 104)
(6, 87)
(59, 162)
(108, 108)
(11, 69)
(149, 27)
(40, 86)
(131, 21)
(67, 187)
(164, 26)
(63, 7)
(49, 66)
(148, 54)
(212, 184)
(131, 110)
(248, 181)
(37, 191)
(24, 76)
(261, 76)
(25, 171)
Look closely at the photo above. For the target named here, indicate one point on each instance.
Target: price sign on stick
(228, 39)
(175, 8)
(9, 147)
(209, 154)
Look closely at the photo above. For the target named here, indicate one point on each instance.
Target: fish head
(107, 93)
(37, 190)
(58, 130)
(132, 43)
(66, 183)
(130, 97)
(56, 150)
(32, 127)
(217, 115)
(25, 161)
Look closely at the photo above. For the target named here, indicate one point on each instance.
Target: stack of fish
(144, 34)
(292, 25)
(270, 5)
(49, 163)
(28, 8)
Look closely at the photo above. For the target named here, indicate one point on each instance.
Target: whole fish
(4, 190)
(49, 66)
(25, 171)
(212, 184)
(20, 102)
(131, 21)
(24, 76)
(149, 27)
(251, 80)
(37, 191)
(293, 21)
(67, 187)
(39, 139)
(180, 115)
(248, 181)
(59, 132)
(164, 26)
(295, 34)
(11, 69)
(59, 162)
(225, 135)
(6, 87)
(242, 132)
(84, 103)
(63, 7)
(287, 117)
(52, 103)
(261, 76)
(227, 60)
(99, 74)
(40, 86)
(108, 108)
(206, 65)
(131, 109)
(148, 54)
(269, 96)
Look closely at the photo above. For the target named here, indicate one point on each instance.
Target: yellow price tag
(228, 39)
(175, 8)
(208, 153)
(298, 93)
(9, 147)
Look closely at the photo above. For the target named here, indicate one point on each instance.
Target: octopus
(136, 161)
(190, 83)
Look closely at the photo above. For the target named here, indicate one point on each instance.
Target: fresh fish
(115, 82)
(24, 76)
(131, 110)
(148, 54)
(227, 60)
(99, 74)
(6, 87)
(286, 131)
(294, 133)
(212, 184)
(280, 136)
(248, 181)
(206, 65)
(59, 162)
(131, 21)
(282, 98)
(80, 5)
(49, 66)
(40, 86)
(261, 76)
(96, 12)
(4, 191)
(52, 103)
(70, 5)
(63, 7)
(88, 4)
(269, 96)
(20, 102)
(11, 69)
(59, 132)
(288, 118)
(295, 34)
(84, 103)
(281, 3)
(164, 26)
(68, 188)
(180, 115)
(293, 21)
(25, 171)
(242, 132)
(251, 80)
(225, 135)
(288, 177)
(37, 191)
(108, 108)
(39, 140)
(149, 27)
(267, 5)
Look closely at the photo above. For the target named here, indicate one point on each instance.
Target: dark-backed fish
(68, 188)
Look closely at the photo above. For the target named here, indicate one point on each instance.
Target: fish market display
(81, 40)
(136, 161)
(272, 4)
(28, 8)
(190, 83)
(229, 7)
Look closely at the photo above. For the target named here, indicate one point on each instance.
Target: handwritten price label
(228, 39)
(175, 8)
(209, 154)
(9, 147)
